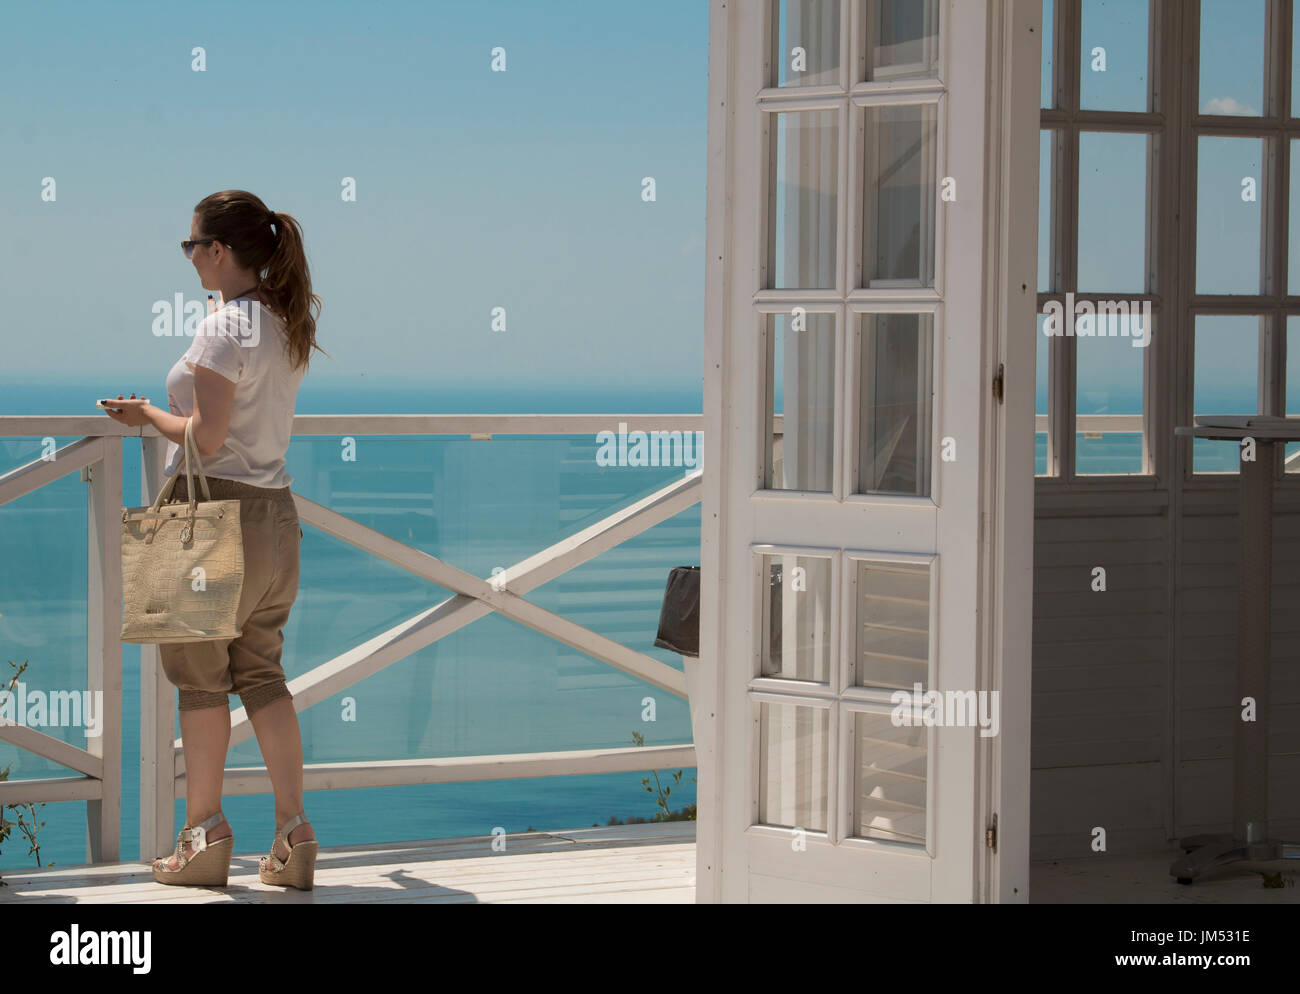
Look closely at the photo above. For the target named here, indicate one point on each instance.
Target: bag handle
(190, 445)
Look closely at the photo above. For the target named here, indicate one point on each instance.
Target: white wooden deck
(624, 864)
(637, 864)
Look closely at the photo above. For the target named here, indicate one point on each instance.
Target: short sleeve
(217, 345)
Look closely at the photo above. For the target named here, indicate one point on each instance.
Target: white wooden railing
(98, 455)
(1121, 424)
(1098, 424)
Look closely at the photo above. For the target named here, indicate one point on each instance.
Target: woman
(239, 382)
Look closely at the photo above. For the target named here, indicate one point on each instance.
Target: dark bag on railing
(679, 619)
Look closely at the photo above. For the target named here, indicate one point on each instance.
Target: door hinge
(998, 382)
(85, 474)
(991, 835)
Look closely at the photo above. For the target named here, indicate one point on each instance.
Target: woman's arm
(214, 397)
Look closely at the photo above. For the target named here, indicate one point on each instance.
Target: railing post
(157, 706)
(104, 648)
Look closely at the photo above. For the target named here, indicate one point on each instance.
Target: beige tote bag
(182, 568)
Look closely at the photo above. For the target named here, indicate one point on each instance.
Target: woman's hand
(130, 411)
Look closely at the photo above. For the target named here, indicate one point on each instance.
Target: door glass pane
(890, 762)
(892, 625)
(1295, 66)
(800, 402)
(796, 626)
(1293, 224)
(898, 206)
(902, 38)
(1048, 98)
(1225, 381)
(1229, 198)
(1109, 356)
(1112, 212)
(807, 39)
(805, 162)
(793, 758)
(1046, 234)
(895, 363)
(1293, 387)
(1113, 60)
(1042, 359)
(1232, 57)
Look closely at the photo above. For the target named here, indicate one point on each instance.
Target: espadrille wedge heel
(199, 863)
(300, 869)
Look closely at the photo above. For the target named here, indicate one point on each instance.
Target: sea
(493, 687)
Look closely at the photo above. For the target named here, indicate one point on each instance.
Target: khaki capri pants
(248, 666)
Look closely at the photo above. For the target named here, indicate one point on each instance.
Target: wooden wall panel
(1134, 688)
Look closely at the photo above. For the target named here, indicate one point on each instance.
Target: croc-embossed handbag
(182, 564)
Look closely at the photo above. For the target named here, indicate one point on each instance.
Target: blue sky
(475, 189)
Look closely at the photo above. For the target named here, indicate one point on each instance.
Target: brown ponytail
(271, 245)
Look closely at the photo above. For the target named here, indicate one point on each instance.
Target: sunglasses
(187, 246)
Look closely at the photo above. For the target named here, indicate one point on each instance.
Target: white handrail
(93, 425)
(1103, 424)
(1119, 424)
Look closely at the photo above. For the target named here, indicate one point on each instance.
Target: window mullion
(1165, 99)
(1188, 236)
(1277, 351)
(1157, 186)
(1065, 369)
(1277, 65)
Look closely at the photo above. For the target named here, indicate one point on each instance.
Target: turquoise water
(493, 687)
(1122, 453)
(1115, 454)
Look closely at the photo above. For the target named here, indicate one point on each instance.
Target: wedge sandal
(200, 863)
(299, 870)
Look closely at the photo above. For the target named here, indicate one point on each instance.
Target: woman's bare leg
(205, 737)
(280, 740)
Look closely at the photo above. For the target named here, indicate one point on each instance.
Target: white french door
(854, 331)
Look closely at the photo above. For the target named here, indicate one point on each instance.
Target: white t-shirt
(245, 342)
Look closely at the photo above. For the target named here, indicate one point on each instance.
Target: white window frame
(1174, 121)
